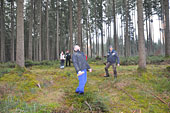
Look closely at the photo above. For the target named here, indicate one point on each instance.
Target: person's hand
(79, 72)
(118, 64)
(90, 70)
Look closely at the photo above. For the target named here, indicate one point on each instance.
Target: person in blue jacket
(112, 59)
(81, 67)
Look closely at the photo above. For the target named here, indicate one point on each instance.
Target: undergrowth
(49, 89)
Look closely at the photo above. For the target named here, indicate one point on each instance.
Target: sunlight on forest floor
(50, 89)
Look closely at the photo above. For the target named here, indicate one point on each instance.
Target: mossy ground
(50, 89)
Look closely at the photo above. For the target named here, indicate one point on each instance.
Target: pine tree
(141, 42)
(20, 34)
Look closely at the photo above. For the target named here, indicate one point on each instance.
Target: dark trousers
(62, 63)
(67, 61)
(108, 64)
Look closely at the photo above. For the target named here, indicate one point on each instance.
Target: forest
(33, 33)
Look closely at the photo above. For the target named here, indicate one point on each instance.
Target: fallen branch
(89, 106)
(126, 93)
(159, 98)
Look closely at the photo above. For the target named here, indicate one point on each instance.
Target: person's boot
(81, 93)
(106, 75)
(115, 74)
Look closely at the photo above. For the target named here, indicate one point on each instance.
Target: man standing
(68, 57)
(112, 58)
(81, 66)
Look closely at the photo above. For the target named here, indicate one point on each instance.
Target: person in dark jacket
(112, 58)
(81, 67)
(68, 57)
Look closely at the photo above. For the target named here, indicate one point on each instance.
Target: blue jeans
(82, 82)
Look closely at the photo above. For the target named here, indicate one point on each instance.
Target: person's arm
(75, 63)
(108, 54)
(69, 56)
(88, 67)
(63, 57)
(118, 61)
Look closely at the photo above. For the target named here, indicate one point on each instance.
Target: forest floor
(48, 89)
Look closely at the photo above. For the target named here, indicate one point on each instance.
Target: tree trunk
(30, 32)
(163, 24)
(79, 25)
(122, 36)
(142, 54)
(127, 40)
(167, 37)
(150, 38)
(34, 30)
(36, 49)
(39, 29)
(87, 27)
(47, 33)
(20, 34)
(147, 45)
(91, 51)
(96, 30)
(93, 44)
(136, 47)
(115, 33)
(160, 37)
(12, 32)
(109, 40)
(71, 27)
(87, 35)
(101, 17)
(2, 32)
(57, 31)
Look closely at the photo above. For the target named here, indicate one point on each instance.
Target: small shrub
(7, 64)
(29, 63)
(155, 59)
(46, 62)
(4, 71)
(96, 102)
(168, 68)
(98, 58)
(129, 60)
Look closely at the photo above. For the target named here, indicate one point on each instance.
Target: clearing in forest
(50, 89)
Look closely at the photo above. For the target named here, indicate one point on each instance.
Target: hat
(110, 46)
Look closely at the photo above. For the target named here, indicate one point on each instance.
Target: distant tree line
(39, 29)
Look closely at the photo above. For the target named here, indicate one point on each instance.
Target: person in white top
(62, 58)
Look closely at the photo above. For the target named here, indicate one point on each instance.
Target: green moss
(10, 77)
